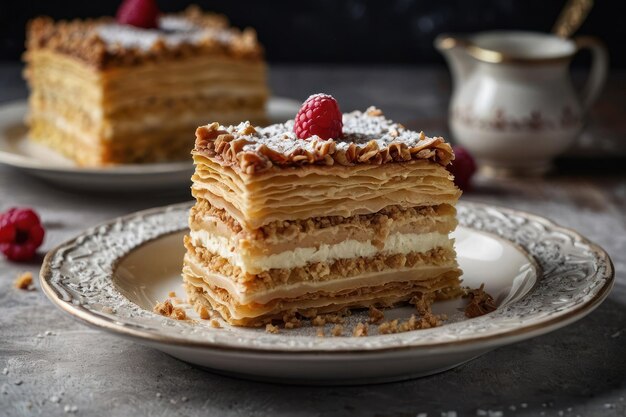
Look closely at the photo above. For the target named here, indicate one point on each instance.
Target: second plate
(42, 162)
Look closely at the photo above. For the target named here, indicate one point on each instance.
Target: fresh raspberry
(319, 115)
(21, 234)
(463, 167)
(138, 13)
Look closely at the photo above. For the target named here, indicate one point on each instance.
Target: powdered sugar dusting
(358, 128)
(368, 138)
(173, 31)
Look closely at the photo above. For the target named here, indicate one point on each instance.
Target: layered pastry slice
(105, 91)
(285, 226)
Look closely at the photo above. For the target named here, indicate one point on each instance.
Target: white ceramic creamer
(513, 104)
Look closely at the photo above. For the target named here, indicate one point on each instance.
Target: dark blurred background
(346, 31)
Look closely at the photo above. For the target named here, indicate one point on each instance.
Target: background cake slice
(287, 226)
(103, 92)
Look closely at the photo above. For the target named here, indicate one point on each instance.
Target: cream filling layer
(200, 276)
(396, 243)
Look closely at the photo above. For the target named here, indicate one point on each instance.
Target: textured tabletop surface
(52, 365)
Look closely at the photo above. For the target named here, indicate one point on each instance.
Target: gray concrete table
(55, 365)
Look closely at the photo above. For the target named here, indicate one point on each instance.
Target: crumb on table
(24, 281)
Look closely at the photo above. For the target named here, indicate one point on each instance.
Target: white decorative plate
(542, 275)
(42, 162)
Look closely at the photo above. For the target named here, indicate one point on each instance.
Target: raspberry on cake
(319, 116)
(129, 91)
(285, 224)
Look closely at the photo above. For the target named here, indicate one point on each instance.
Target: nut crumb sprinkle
(24, 281)
(368, 138)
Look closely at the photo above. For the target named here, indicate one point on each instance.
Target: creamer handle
(599, 68)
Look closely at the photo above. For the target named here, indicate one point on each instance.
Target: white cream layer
(397, 243)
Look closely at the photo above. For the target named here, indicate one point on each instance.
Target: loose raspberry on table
(21, 234)
(139, 13)
(319, 116)
(463, 168)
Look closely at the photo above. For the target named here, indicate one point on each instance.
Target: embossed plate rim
(281, 343)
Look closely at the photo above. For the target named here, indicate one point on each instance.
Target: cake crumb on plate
(270, 328)
(360, 330)
(168, 310)
(337, 330)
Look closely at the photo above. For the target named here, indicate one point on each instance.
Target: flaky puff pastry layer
(311, 191)
(254, 315)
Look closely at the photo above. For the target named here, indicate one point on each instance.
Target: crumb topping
(103, 43)
(368, 138)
